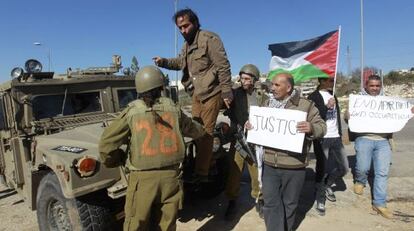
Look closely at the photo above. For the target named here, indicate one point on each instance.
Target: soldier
(244, 96)
(206, 76)
(152, 126)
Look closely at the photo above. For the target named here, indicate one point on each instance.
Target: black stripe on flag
(286, 50)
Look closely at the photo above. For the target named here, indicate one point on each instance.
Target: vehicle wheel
(55, 212)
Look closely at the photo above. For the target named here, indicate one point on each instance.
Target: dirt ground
(350, 212)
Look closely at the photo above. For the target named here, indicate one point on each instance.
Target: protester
(373, 148)
(244, 96)
(152, 126)
(284, 171)
(331, 159)
(206, 75)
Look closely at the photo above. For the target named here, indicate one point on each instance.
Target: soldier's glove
(115, 159)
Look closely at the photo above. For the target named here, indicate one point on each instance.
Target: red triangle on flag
(325, 56)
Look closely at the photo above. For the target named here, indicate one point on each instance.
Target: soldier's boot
(230, 210)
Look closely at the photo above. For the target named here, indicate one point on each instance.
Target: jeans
(378, 152)
(336, 165)
(281, 192)
(320, 161)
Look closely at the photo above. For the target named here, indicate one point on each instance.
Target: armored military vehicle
(50, 126)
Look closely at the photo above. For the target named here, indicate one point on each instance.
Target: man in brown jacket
(206, 76)
(284, 171)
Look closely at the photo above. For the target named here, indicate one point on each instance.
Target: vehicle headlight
(126, 71)
(33, 66)
(86, 166)
(17, 72)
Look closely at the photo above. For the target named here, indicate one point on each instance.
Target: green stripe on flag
(301, 73)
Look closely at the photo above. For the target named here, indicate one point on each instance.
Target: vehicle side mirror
(174, 93)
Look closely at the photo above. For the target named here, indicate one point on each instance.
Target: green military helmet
(251, 70)
(148, 78)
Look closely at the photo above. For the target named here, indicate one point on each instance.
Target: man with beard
(244, 96)
(206, 76)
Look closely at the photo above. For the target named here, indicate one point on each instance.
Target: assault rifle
(243, 147)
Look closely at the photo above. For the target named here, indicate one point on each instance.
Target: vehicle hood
(80, 140)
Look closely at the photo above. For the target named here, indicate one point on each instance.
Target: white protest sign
(276, 128)
(378, 114)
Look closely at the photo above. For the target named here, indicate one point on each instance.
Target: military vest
(154, 145)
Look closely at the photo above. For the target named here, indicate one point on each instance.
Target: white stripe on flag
(290, 63)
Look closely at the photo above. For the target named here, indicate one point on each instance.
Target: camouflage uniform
(154, 192)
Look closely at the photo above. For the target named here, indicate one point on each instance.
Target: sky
(86, 33)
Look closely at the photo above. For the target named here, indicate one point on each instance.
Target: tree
(394, 77)
(134, 66)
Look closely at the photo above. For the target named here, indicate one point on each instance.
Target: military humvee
(50, 126)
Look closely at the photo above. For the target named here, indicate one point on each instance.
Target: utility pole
(362, 45)
(348, 60)
(49, 55)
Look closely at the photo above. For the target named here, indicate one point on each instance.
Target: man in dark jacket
(331, 159)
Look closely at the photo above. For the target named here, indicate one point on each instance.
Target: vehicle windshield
(46, 106)
(125, 96)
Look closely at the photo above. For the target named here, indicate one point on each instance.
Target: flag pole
(337, 59)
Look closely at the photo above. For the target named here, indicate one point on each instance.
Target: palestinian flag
(307, 59)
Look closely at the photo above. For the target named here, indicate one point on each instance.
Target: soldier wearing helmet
(244, 96)
(152, 126)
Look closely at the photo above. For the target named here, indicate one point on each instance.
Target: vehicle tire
(55, 212)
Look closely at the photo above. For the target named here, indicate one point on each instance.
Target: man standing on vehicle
(206, 76)
(152, 127)
(329, 150)
(244, 96)
(284, 171)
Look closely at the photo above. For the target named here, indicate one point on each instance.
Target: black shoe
(231, 210)
(330, 194)
(320, 202)
(259, 208)
(320, 207)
